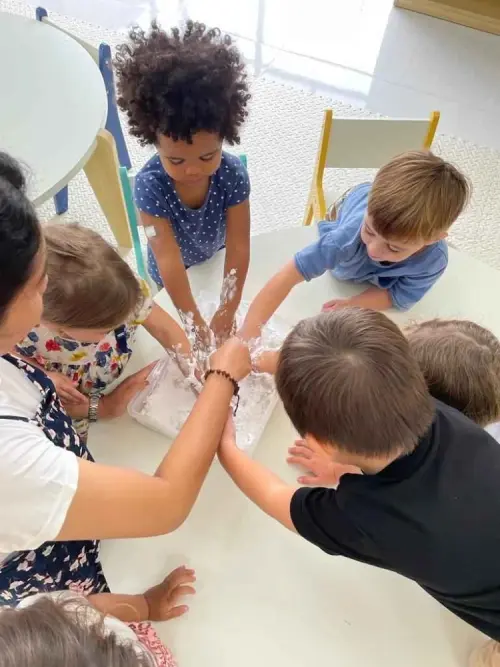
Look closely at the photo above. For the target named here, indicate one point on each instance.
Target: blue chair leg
(113, 120)
(61, 198)
(61, 201)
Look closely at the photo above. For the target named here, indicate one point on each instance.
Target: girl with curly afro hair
(185, 91)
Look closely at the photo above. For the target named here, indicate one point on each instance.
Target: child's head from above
(460, 361)
(185, 91)
(414, 200)
(349, 382)
(90, 289)
(57, 634)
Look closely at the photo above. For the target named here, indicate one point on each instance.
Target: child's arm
(166, 331)
(373, 298)
(65, 388)
(269, 299)
(406, 290)
(171, 266)
(158, 603)
(235, 268)
(258, 483)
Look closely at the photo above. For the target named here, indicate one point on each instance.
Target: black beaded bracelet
(227, 376)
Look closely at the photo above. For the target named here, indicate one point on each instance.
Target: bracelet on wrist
(230, 378)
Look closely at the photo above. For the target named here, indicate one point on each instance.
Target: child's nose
(193, 171)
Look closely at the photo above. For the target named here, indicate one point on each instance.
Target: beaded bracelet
(227, 376)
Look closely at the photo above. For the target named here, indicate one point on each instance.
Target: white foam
(169, 398)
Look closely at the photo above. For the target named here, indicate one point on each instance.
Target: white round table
(265, 596)
(53, 102)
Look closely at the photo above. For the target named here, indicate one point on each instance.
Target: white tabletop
(265, 596)
(53, 102)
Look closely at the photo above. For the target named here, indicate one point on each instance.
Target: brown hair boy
(388, 235)
(427, 506)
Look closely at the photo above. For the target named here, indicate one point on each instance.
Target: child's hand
(267, 362)
(323, 471)
(77, 410)
(223, 324)
(115, 403)
(335, 304)
(66, 389)
(162, 599)
(233, 357)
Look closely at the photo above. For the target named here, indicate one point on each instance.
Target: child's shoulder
(232, 169)
(432, 259)
(153, 178)
(154, 189)
(152, 169)
(356, 199)
(231, 178)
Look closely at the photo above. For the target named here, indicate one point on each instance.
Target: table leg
(102, 170)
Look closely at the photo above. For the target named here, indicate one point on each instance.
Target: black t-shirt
(432, 516)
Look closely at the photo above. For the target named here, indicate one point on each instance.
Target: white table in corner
(53, 113)
(265, 596)
(53, 102)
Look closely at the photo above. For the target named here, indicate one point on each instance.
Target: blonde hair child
(93, 306)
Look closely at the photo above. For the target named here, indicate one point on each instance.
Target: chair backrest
(368, 143)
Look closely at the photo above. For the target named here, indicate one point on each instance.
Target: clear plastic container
(166, 402)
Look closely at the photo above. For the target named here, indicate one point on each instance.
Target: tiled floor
(364, 52)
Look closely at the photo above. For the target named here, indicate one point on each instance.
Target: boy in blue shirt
(389, 234)
(185, 91)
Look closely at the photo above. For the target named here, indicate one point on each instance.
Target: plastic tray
(166, 402)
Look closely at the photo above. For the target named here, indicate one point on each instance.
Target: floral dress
(91, 366)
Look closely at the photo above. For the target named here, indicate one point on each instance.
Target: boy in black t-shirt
(427, 505)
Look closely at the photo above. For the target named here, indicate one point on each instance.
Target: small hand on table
(335, 304)
(322, 470)
(163, 599)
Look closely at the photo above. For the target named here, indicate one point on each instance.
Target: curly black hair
(181, 82)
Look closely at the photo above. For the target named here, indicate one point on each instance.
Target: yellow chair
(362, 143)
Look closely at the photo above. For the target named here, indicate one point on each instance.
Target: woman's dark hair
(62, 634)
(20, 233)
(181, 82)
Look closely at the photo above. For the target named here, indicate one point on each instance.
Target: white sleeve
(37, 483)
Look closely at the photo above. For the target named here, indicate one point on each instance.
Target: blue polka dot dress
(201, 232)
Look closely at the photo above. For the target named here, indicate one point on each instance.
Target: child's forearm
(258, 483)
(176, 282)
(127, 608)
(235, 272)
(166, 331)
(373, 298)
(269, 299)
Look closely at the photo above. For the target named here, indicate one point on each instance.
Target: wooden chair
(362, 143)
